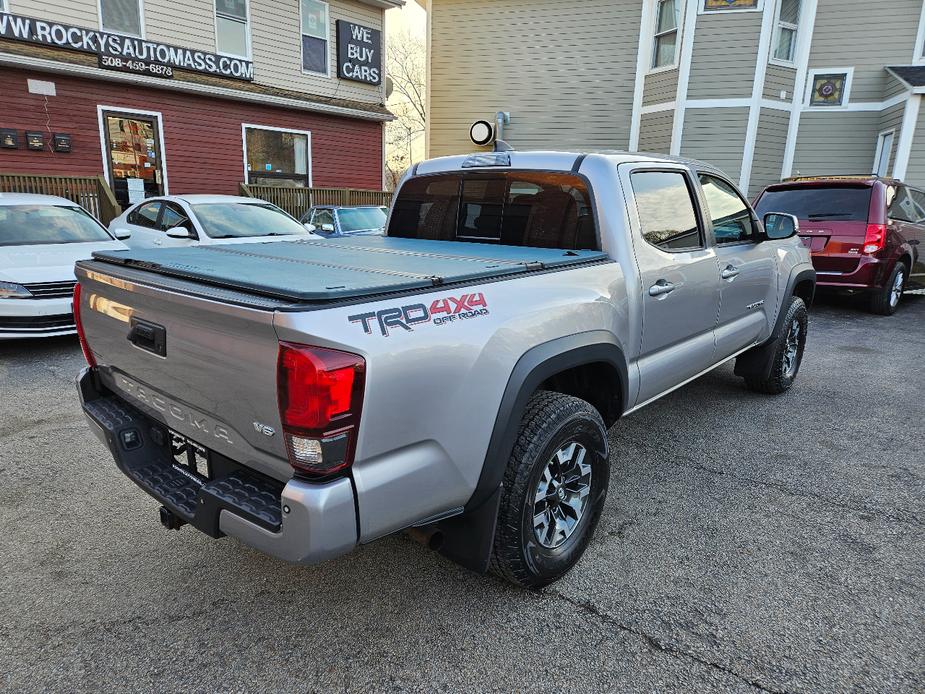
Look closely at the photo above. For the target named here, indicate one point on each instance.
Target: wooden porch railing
(296, 201)
(90, 192)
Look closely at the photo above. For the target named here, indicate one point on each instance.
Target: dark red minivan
(865, 233)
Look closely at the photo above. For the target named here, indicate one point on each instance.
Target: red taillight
(875, 238)
(88, 355)
(320, 396)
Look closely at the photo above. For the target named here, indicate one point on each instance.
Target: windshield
(361, 219)
(230, 220)
(838, 203)
(26, 225)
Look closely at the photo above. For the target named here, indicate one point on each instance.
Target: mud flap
(468, 539)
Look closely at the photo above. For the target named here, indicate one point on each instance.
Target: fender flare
(795, 279)
(468, 538)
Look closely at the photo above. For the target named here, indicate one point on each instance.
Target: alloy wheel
(562, 495)
(792, 349)
(896, 291)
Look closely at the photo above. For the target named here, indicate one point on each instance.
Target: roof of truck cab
(549, 160)
(314, 270)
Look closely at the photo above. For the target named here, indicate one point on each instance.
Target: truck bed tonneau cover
(323, 270)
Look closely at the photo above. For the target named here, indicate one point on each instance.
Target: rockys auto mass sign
(44, 33)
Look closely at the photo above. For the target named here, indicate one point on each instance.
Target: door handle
(730, 272)
(661, 288)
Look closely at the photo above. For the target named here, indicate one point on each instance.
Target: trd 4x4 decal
(440, 312)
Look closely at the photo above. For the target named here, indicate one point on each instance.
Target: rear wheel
(787, 357)
(886, 300)
(554, 490)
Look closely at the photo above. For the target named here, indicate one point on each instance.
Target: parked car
(333, 220)
(864, 233)
(456, 376)
(41, 237)
(188, 220)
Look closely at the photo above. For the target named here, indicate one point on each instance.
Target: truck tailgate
(204, 367)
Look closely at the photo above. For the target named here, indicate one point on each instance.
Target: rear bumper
(869, 274)
(299, 522)
(21, 318)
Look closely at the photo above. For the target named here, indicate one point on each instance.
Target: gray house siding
(661, 87)
(565, 71)
(836, 143)
(779, 79)
(725, 55)
(716, 136)
(850, 32)
(892, 119)
(770, 143)
(655, 132)
(915, 174)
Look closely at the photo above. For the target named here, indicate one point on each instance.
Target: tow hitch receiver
(169, 519)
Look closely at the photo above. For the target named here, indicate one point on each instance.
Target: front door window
(135, 160)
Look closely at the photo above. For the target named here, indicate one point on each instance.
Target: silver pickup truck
(454, 378)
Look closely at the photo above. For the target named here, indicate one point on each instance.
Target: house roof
(911, 75)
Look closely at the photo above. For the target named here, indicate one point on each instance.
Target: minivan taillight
(875, 238)
(320, 395)
(82, 338)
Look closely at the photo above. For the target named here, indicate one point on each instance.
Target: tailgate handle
(150, 337)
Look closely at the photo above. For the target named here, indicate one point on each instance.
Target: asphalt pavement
(749, 543)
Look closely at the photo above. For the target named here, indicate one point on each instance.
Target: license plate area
(190, 458)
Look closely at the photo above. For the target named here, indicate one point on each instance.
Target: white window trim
(811, 78)
(247, 31)
(703, 9)
(881, 137)
(918, 52)
(772, 60)
(141, 22)
(3, 6)
(256, 126)
(100, 109)
(654, 34)
(327, 29)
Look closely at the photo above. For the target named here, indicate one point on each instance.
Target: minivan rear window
(512, 208)
(835, 203)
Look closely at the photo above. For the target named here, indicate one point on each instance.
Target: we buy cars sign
(359, 53)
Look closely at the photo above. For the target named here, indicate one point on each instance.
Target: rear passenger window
(666, 210)
(918, 197)
(513, 208)
(146, 215)
(907, 206)
(730, 214)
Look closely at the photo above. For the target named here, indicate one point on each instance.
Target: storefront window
(121, 16)
(315, 36)
(277, 157)
(231, 27)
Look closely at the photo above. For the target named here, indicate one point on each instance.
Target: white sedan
(185, 220)
(41, 237)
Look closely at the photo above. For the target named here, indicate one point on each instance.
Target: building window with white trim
(730, 5)
(277, 156)
(667, 16)
(122, 17)
(788, 20)
(2, 5)
(884, 150)
(231, 30)
(315, 41)
(829, 89)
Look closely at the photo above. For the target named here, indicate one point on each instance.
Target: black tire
(883, 301)
(784, 370)
(551, 423)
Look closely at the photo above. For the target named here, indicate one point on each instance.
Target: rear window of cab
(834, 203)
(512, 208)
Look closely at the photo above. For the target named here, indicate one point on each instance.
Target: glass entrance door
(135, 160)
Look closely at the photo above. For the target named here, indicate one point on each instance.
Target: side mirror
(309, 227)
(178, 233)
(327, 228)
(122, 234)
(778, 225)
